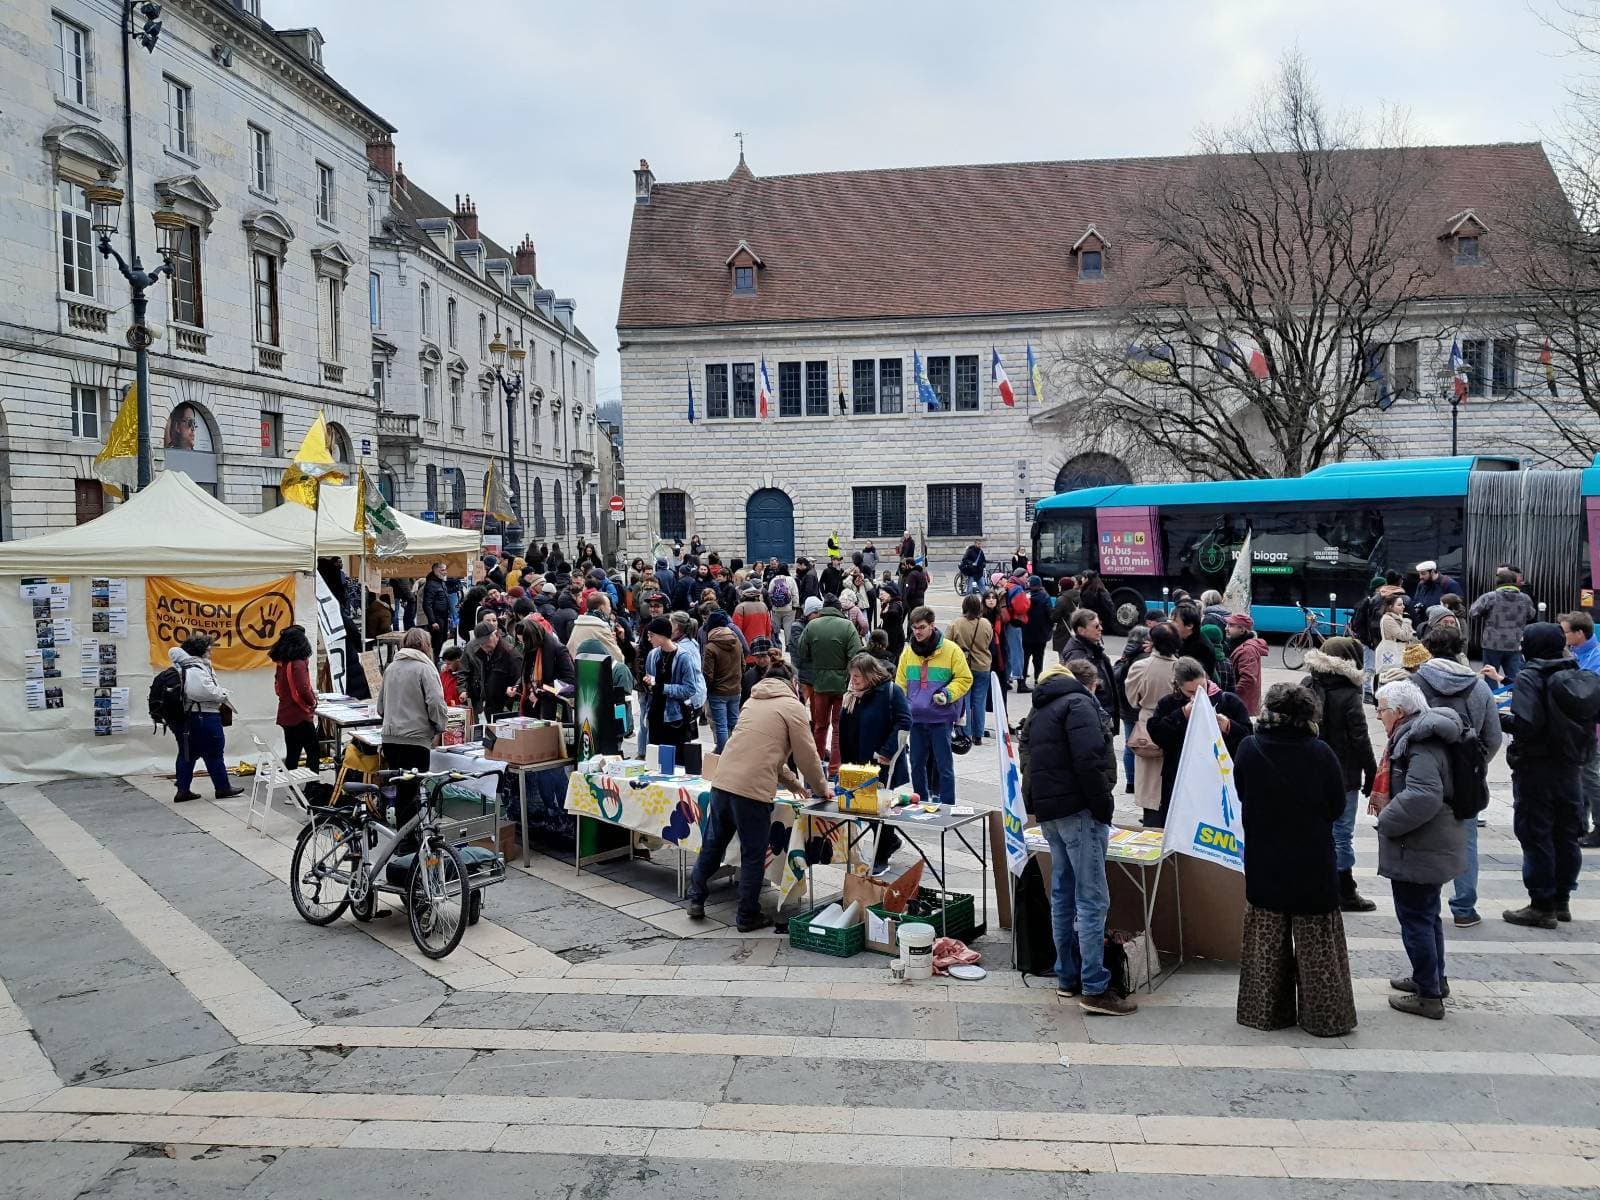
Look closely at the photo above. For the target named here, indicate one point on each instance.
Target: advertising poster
(1128, 541)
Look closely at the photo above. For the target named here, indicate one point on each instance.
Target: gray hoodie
(411, 700)
(1448, 684)
(1419, 838)
(201, 691)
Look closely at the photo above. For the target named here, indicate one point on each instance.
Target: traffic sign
(616, 504)
(428, 514)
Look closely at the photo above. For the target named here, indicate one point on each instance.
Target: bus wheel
(1129, 608)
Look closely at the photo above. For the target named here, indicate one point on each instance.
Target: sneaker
(1533, 918)
(697, 910)
(1418, 1006)
(1404, 983)
(881, 872)
(182, 797)
(755, 926)
(1469, 920)
(1070, 991)
(1563, 912)
(1107, 1004)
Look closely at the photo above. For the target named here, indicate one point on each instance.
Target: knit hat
(1543, 639)
(547, 589)
(1212, 635)
(1346, 648)
(659, 626)
(1415, 655)
(760, 645)
(813, 604)
(1034, 581)
(1241, 623)
(716, 619)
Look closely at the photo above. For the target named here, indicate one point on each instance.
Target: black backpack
(1577, 695)
(1032, 932)
(167, 704)
(1468, 793)
(1362, 627)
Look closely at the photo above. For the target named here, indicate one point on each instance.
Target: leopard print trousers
(1285, 958)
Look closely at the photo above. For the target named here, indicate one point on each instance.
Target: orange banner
(243, 623)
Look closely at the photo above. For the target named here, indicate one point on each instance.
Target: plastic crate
(955, 917)
(841, 943)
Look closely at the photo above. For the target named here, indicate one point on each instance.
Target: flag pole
(360, 524)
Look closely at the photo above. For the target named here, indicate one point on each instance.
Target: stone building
(440, 295)
(238, 129)
(825, 291)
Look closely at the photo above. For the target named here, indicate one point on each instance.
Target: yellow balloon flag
(117, 465)
(313, 465)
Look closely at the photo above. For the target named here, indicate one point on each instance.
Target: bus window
(1415, 534)
(1278, 546)
(1063, 544)
(1339, 548)
(1199, 548)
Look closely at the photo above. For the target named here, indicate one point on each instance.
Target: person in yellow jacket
(835, 550)
(936, 678)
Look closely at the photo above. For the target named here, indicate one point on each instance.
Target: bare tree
(1259, 278)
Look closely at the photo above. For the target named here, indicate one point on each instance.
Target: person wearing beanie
(1226, 677)
(1245, 651)
(752, 617)
(1414, 656)
(756, 666)
(825, 649)
(1336, 680)
(723, 658)
(674, 681)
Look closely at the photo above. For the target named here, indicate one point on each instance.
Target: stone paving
(169, 1027)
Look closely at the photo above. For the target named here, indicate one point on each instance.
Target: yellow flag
(496, 500)
(117, 465)
(313, 464)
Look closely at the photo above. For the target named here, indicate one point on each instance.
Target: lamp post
(511, 386)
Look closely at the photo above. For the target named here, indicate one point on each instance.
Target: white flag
(1203, 819)
(1236, 599)
(1013, 815)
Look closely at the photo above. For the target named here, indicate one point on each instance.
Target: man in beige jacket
(773, 726)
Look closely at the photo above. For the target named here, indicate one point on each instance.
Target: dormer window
(744, 279)
(742, 266)
(1467, 251)
(1090, 251)
(1090, 265)
(1463, 234)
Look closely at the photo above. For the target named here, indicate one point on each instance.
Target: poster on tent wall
(243, 623)
(1204, 818)
(330, 620)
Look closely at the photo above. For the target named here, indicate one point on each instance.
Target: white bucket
(916, 950)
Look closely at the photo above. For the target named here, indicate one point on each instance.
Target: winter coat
(1338, 683)
(753, 620)
(872, 728)
(566, 616)
(1246, 659)
(1094, 653)
(1119, 671)
(773, 727)
(826, 648)
(1419, 838)
(201, 691)
(723, 662)
(592, 626)
(923, 677)
(1291, 791)
(1395, 632)
(1169, 726)
(545, 664)
(915, 587)
(435, 602)
(685, 688)
(411, 700)
(1061, 625)
(1070, 764)
(297, 700)
(1448, 684)
(1431, 592)
(1504, 613)
(1542, 734)
(974, 638)
(1149, 682)
(1196, 647)
(832, 580)
(806, 586)
(1036, 633)
(1098, 601)
(489, 675)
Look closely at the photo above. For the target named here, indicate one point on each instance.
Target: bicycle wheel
(437, 899)
(319, 877)
(1294, 651)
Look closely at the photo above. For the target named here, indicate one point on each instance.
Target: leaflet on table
(108, 593)
(112, 622)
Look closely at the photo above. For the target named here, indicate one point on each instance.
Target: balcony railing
(332, 373)
(89, 317)
(190, 341)
(398, 427)
(269, 358)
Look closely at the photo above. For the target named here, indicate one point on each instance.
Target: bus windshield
(1063, 544)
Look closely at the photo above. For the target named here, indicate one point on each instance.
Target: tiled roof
(948, 241)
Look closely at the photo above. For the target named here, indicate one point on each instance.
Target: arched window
(1092, 469)
(561, 518)
(577, 507)
(189, 445)
(483, 338)
(339, 443)
(538, 508)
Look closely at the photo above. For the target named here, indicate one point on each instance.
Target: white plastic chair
(272, 777)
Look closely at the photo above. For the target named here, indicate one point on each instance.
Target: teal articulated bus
(1328, 532)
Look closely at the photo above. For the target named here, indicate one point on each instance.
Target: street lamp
(105, 208)
(511, 385)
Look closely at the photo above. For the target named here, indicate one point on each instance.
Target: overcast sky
(541, 111)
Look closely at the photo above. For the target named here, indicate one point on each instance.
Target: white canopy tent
(337, 537)
(172, 528)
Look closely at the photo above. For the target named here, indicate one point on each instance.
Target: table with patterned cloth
(674, 808)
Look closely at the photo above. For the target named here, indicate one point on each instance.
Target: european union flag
(925, 392)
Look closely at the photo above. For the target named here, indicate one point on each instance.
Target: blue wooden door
(769, 526)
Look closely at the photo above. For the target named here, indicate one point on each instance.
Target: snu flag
(117, 464)
(375, 520)
(997, 373)
(313, 465)
(925, 392)
(1544, 361)
(688, 378)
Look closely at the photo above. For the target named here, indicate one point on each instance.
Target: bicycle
(967, 585)
(1311, 637)
(345, 856)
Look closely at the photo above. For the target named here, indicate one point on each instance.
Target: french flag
(1457, 370)
(997, 373)
(766, 388)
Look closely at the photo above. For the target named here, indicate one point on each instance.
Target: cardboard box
(530, 744)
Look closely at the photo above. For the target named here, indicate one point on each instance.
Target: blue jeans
(202, 739)
(1016, 664)
(1464, 900)
(1507, 662)
(1591, 792)
(752, 821)
(644, 724)
(724, 715)
(1127, 751)
(1079, 900)
(1344, 829)
(1422, 932)
(978, 705)
(1369, 668)
(932, 742)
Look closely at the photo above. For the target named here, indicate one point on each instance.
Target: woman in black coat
(892, 616)
(1036, 633)
(1335, 679)
(1169, 725)
(871, 718)
(1291, 790)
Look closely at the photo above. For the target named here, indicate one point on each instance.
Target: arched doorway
(339, 444)
(1093, 469)
(188, 445)
(769, 526)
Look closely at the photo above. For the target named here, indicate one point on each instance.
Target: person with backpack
(1504, 613)
(297, 699)
(973, 636)
(197, 702)
(1014, 617)
(781, 595)
(1068, 787)
(1554, 707)
(1364, 627)
(1036, 630)
(1447, 683)
(1420, 843)
(935, 677)
(1335, 679)
(1579, 628)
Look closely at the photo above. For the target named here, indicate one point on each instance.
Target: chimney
(527, 259)
(467, 218)
(644, 181)
(380, 153)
